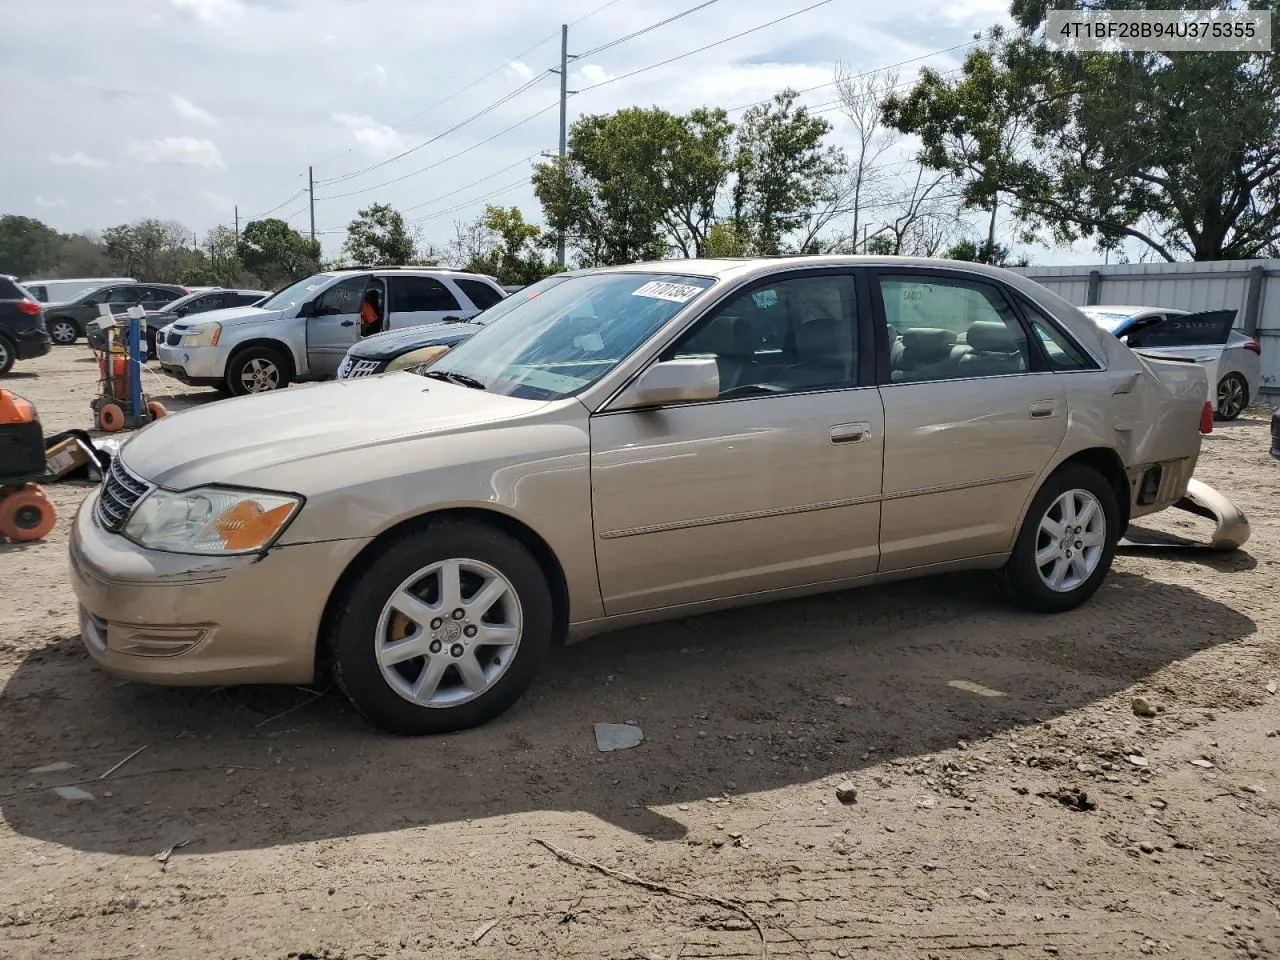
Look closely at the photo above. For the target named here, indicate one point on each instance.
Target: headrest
(991, 336)
(818, 341)
(926, 344)
(730, 336)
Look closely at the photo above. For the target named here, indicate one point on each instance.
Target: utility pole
(311, 191)
(237, 224)
(564, 113)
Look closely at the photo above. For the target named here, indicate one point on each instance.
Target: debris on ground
(1072, 797)
(617, 736)
(73, 793)
(1142, 707)
(62, 766)
(846, 792)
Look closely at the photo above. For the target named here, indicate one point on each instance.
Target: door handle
(1043, 409)
(347, 323)
(850, 432)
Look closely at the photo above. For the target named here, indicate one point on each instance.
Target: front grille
(173, 339)
(359, 368)
(121, 492)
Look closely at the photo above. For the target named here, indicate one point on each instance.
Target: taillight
(1253, 346)
(1206, 418)
(29, 308)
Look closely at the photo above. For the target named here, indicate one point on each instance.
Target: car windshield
(558, 341)
(295, 293)
(1108, 320)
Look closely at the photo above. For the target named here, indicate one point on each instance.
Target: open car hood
(1210, 328)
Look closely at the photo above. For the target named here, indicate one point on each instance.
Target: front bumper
(29, 344)
(176, 619)
(200, 366)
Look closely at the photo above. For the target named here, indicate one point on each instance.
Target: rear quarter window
(479, 293)
(10, 290)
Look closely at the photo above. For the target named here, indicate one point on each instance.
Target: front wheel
(257, 370)
(443, 630)
(63, 332)
(1233, 396)
(1066, 543)
(8, 353)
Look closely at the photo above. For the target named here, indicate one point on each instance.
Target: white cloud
(374, 138)
(592, 73)
(77, 159)
(520, 69)
(376, 75)
(188, 151)
(209, 11)
(52, 203)
(218, 201)
(185, 108)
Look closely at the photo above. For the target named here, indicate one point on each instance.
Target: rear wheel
(257, 370)
(7, 355)
(1233, 396)
(1066, 543)
(63, 332)
(444, 630)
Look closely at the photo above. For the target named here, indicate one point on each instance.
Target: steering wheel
(747, 389)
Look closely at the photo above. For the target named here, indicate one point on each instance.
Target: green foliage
(501, 244)
(377, 237)
(28, 247)
(784, 169)
(982, 251)
(724, 241)
(1175, 150)
(276, 253)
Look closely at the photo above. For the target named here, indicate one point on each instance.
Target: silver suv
(303, 331)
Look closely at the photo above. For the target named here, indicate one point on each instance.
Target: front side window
(419, 295)
(785, 337)
(123, 295)
(566, 337)
(945, 329)
(342, 299)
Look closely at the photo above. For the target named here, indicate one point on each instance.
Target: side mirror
(308, 309)
(674, 381)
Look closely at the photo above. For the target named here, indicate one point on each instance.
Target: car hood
(386, 346)
(231, 316)
(236, 441)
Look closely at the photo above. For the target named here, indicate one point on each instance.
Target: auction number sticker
(662, 290)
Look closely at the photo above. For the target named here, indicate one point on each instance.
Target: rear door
(334, 325)
(414, 300)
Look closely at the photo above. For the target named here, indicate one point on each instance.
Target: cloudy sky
(183, 109)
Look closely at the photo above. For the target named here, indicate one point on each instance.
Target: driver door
(333, 325)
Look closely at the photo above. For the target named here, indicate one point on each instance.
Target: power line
(599, 9)
(473, 183)
(431, 166)
(643, 30)
(285, 202)
(709, 46)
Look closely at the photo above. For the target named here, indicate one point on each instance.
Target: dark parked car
(22, 332)
(413, 346)
(67, 322)
(200, 301)
(1275, 433)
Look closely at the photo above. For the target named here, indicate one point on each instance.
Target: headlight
(204, 335)
(211, 520)
(417, 358)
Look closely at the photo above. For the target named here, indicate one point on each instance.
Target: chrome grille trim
(120, 493)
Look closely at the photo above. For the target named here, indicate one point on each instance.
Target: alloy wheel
(260, 375)
(1230, 397)
(62, 332)
(448, 633)
(1070, 540)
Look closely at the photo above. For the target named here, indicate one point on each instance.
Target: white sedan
(1232, 360)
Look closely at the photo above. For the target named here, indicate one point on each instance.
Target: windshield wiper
(459, 378)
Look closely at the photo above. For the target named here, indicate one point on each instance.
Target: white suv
(303, 331)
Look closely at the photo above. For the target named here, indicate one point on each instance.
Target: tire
(27, 514)
(365, 622)
(257, 370)
(63, 331)
(1233, 397)
(156, 410)
(151, 346)
(110, 418)
(8, 354)
(1022, 579)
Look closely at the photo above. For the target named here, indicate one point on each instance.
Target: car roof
(743, 267)
(365, 268)
(1130, 311)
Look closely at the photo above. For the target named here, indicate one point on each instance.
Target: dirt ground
(293, 830)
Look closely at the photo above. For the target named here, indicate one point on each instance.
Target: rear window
(10, 290)
(479, 293)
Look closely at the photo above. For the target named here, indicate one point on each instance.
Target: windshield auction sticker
(661, 290)
(1115, 31)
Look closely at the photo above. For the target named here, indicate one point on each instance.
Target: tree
(862, 98)
(276, 252)
(501, 244)
(783, 170)
(1174, 150)
(697, 169)
(28, 247)
(979, 251)
(377, 237)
